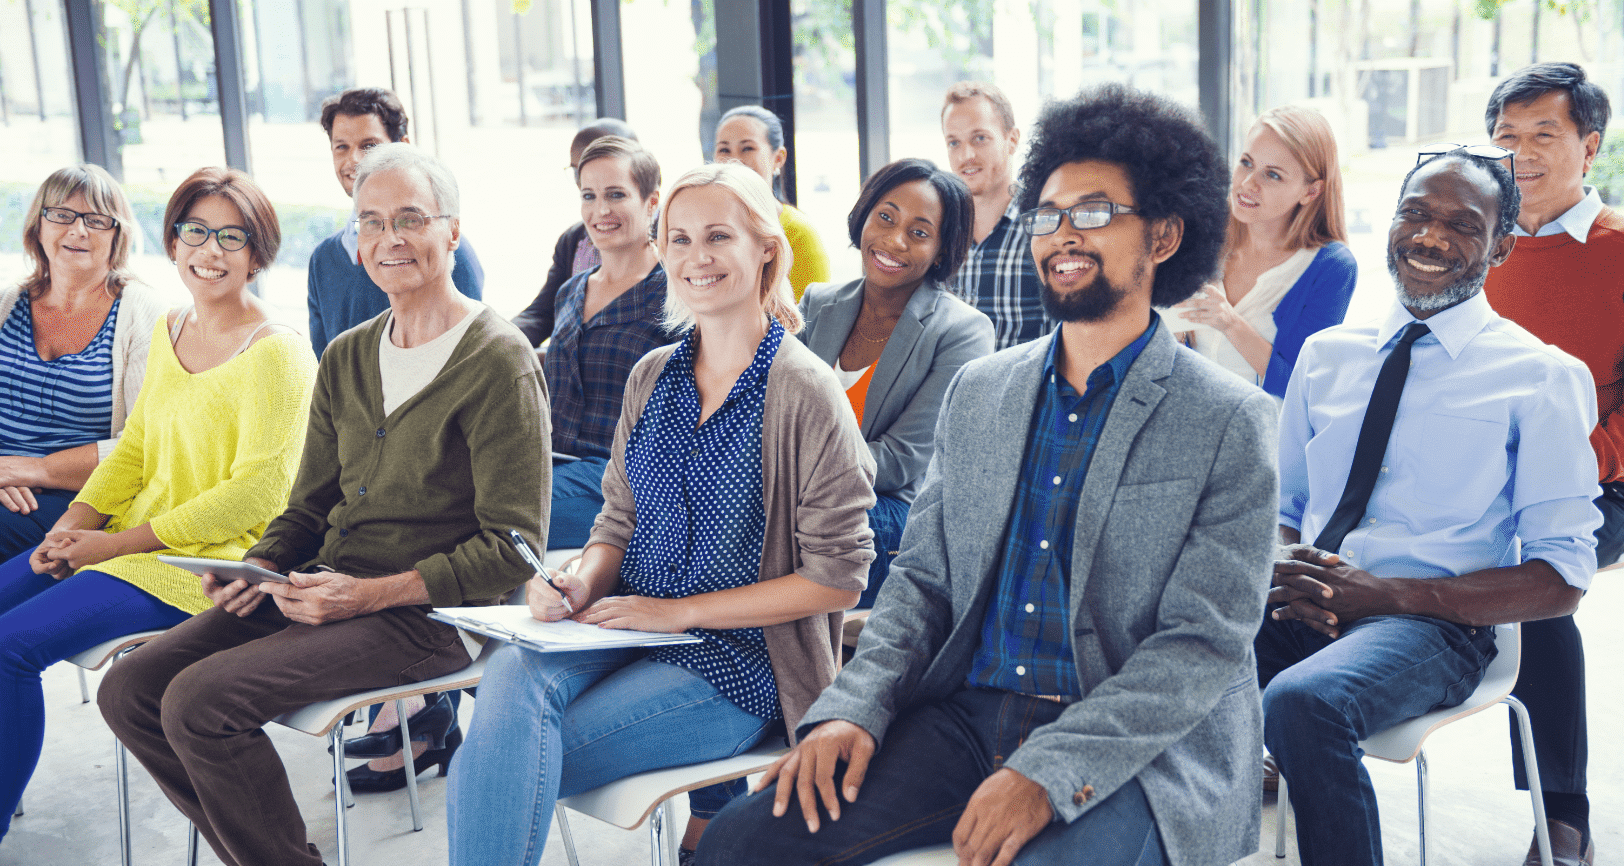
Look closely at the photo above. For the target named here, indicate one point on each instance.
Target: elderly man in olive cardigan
(428, 443)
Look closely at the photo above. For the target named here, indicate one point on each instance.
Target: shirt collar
(1576, 221)
(1114, 370)
(350, 237)
(1454, 327)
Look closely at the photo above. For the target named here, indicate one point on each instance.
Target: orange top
(858, 392)
(1568, 294)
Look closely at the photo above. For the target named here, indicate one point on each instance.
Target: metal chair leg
(19, 812)
(658, 831)
(84, 689)
(411, 764)
(1421, 800)
(1282, 813)
(566, 835)
(121, 765)
(191, 845)
(341, 793)
(1525, 730)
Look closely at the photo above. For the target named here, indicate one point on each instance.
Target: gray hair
(400, 156)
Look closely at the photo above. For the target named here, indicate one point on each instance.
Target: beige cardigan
(138, 311)
(817, 486)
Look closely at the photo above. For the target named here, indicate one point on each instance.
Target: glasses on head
(1490, 152)
(1088, 215)
(230, 238)
(62, 216)
(373, 226)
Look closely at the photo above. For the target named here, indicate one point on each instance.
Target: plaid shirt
(999, 279)
(588, 362)
(1026, 636)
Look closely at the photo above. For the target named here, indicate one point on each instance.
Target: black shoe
(429, 725)
(364, 780)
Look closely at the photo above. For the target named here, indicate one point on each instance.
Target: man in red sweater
(1564, 282)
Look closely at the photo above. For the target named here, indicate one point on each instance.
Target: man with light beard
(1415, 454)
(1065, 638)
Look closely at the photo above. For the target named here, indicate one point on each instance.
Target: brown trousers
(190, 706)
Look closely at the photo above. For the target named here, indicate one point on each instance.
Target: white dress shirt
(1576, 220)
(1489, 448)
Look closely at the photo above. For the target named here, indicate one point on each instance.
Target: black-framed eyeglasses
(230, 238)
(373, 226)
(62, 216)
(1088, 215)
(1490, 152)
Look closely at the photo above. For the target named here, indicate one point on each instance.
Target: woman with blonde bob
(734, 510)
(74, 337)
(1287, 271)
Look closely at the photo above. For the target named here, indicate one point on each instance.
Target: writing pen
(535, 563)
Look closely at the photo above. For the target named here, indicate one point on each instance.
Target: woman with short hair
(74, 337)
(206, 460)
(897, 336)
(734, 511)
(754, 137)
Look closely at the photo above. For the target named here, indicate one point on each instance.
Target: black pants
(1551, 682)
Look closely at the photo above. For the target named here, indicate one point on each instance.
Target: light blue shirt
(1490, 447)
(1576, 221)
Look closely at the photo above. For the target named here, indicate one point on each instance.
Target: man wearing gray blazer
(1059, 669)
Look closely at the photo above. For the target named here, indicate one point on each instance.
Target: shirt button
(1044, 544)
(1057, 480)
(1384, 468)
(343, 533)
(1020, 670)
(380, 432)
(1371, 521)
(1073, 417)
(1031, 608)
(362, 492)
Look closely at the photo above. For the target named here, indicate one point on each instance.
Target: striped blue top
(46, 406)
(700, 516)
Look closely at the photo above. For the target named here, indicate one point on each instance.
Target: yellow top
(809, 263)
(207, 458)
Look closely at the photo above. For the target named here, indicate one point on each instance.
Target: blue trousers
(21, 533)
(933, 759)
(549, 725)
(1322, 696)
(887, 518)
(577, 499)
(42, 622)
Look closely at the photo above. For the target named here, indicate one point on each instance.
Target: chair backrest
(1403, 741)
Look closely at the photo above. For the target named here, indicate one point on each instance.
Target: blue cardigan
(1317, 301)
(341, 295)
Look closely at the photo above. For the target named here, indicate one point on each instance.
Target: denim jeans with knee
(550, 725)
(1322, 696)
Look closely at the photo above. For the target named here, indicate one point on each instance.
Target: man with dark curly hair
(1059, 665)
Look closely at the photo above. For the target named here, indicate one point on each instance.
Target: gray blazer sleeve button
(1083, 796)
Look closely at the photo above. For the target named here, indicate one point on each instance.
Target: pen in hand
(535, 563)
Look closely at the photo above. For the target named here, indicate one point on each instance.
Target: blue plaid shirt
(1026, 637)
(999, 279)
(588, 362)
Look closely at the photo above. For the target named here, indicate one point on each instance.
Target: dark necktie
(1372, 445)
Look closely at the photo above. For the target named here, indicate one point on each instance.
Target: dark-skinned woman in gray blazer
(896, 337)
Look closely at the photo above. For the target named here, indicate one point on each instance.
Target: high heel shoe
(365, 780)
(430, 725)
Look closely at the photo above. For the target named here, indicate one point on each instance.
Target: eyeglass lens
(230, 238)
(63, 216)
(408, 223)
(1088, 215)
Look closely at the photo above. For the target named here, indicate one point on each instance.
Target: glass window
(39, 132)
(827, 173)
(670, 64)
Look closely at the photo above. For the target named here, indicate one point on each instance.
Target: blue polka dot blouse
(700, 516)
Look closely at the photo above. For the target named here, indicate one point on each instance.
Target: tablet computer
(224, 569)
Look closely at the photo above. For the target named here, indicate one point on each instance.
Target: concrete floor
(1476, 816)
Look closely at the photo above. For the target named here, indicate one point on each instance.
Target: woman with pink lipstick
(73, 349)
(754, 137)
(733, 510)
(207, 458)
(1287, 271)
(897, 337)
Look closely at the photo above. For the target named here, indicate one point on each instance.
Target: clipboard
(514, 624)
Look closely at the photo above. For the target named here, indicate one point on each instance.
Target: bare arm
(768, 602)
(67, 469)
(322, 597)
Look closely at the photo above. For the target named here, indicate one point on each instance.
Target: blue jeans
(21, 533)
(887, 518)
(934, 757)
(550, 725)
(1322, 696)
(42, 622)
(577, 499)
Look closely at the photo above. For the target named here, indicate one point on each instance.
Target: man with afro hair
(1059, 665)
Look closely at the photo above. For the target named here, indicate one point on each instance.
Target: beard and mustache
(1469, 283)
(1092, 302)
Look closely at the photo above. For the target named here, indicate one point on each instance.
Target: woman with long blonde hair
(735, 510)
(1287, 271)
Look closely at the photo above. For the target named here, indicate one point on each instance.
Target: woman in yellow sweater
(207, 458)
(754, 136)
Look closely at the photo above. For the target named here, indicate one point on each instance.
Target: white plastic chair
(1404, 742)
(326, 719)
(628, 802)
